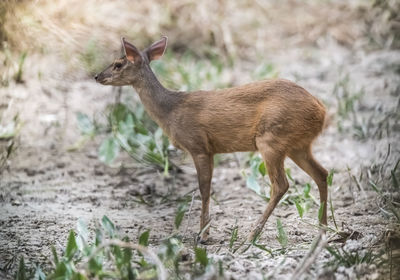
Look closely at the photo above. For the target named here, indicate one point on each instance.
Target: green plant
(180, 213)
(21, 272)
(5, 6)
(303, 200)
(330, 182)
(296, 195)
(348, 100)
(281, 237)
(264, 70)
(130, 130)
(385, 192)
(110, 256)
(138, 136)
(257, 172)
(342, 257)
(352, 118)
(201, 256)
(107, 256)
(8, 142)
(13, 64)
(381, 19)
(87, 128)
(203, 263)
(144, 238)
(18, 74)
(394, 174)
(234, 236)
(189, 73)
(363, 122)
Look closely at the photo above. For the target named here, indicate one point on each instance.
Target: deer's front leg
(204, 165)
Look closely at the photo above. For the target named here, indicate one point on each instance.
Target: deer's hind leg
(274, 155)
(305, 160)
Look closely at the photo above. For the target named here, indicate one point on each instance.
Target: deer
(275, 117)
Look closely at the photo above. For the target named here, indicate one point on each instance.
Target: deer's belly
(231, 142)
(206, 141)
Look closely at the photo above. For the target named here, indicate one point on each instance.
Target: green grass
(20, 68)
(385, 189)
(345, 258)
(12, 66)
(348, 102)
(234, 236)
(264, 70)
(110, 256)
(8, 139)
(180, 213)
(282, 236)
(354, 117)
(128, 129)
(257, 180)
(187, 73)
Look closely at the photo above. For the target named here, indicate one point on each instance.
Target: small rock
(92, 155)
(29, 172)
(98, 172)
(122, 184)
(16, 203)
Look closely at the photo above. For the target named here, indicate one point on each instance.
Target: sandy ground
(46, 189)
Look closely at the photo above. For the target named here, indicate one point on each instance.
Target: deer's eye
(117, 66)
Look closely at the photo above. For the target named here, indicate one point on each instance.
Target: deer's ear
(131, 52)
(157, 49)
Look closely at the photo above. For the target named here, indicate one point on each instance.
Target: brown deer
(275, 117)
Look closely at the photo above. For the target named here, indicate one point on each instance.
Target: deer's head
(128, 69)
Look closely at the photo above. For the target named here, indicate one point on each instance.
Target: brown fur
(276, 117)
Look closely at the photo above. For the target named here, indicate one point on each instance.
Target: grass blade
(282, 237)
(234, 236)
(300, 209)
(144, 238)
(21, 273)
(332, 212)
(72, 247)
(201, 256)
(329, 179)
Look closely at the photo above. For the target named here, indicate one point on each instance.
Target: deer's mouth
(104, 80)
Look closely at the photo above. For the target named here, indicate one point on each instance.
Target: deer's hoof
(254, 234)
(204, 239)
(250, 238)
(207, 241)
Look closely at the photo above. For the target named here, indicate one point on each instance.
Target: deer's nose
(95, 77)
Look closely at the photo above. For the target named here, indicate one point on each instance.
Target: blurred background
(49, 48)
(65, 140)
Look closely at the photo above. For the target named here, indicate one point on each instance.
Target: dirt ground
(46, 189)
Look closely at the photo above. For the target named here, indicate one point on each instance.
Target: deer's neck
(158, 101)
